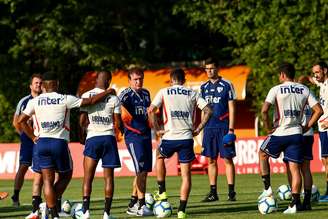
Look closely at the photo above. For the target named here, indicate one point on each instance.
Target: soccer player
(100, 142)
(220, 94)
(137, 136)
(27, 145)
(178, 104)
(286, 136)
(320, 71)
(51, 110)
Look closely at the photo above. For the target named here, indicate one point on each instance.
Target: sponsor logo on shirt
(49, 101)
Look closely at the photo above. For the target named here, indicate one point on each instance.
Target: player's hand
(271, 131)
(196, 132)
(324, 125)
(35, 139)
(111, 91)
(160, 132)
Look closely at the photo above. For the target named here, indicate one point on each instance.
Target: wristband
(231, 130)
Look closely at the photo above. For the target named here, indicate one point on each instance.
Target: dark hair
(210, 61)
(106, 72)
(322, 64)
(288, 69)
(137, 71)
(50, 76)
(178, 74)
(35, 76)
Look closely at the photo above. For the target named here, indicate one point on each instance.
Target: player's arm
(305, 78)
(118, 123)
(152, 109)
(317, 111)
(232, 115)
(265, 116)
(206, 115)
(23, 123)
(16, 125)
(83, 124)
(96, 98)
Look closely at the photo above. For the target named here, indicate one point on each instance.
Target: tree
(265, 33)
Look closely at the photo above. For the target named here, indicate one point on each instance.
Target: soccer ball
(149, 199)
(284, 192)
(267, 205)
(315, 196)
(66, 207)
(43, 209)
(77, 211)
(162, 209)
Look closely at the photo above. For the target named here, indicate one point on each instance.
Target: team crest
(219, 89)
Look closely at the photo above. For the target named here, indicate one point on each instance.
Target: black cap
(50, 76)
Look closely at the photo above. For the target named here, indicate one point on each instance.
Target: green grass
(248, 188)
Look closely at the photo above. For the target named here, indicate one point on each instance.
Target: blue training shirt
(19, 109)
(136, 102)
(218, 95)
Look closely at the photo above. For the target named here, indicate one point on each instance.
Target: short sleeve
(201, 102)
(271, 97)
(312, 100)
(29, 110)
(124, 97)
(73, 102)
(117, 105)
(18, 108)
(158, 100)
(232, 93)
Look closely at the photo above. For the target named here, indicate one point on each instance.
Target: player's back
(52, 114)
(290, 101)
(178, 107)
(101, 114)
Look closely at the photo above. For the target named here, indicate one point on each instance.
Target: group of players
(42, 119)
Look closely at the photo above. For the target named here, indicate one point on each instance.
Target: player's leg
(185, 188)
(110, 160)
(230, 173)
(48, 176)
(296, 184)
(18, 184)
(211, 150)
(36, 195)
(308, 181)
(325, 164)
(89, 166)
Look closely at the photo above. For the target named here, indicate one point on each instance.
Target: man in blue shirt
(137, 135)
(221, 95)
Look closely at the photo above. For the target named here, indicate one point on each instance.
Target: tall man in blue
(290, 99)
(179, 104)
(137, 136)
(220, 94)
(51, 111)
(26, 148)
(98, 121)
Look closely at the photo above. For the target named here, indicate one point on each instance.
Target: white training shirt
(101, 114)
(289, 99)
(323, 102)
(178, 104)
(52, 114)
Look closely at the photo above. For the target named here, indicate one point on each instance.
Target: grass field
(248, 188)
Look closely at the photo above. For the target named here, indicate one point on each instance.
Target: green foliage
(7, 132)
(265, 33)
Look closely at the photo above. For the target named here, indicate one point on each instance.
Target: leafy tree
(265, 33)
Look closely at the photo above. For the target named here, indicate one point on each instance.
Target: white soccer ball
(66, 206)
(315, 196)
(162, 209)
(284, 192)
(77, 211)
(267, 205)
(149, 199)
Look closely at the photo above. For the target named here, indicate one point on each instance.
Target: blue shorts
(26, 150)
(324, 143)
(213, 144)
(291, 145)
(35, 160)
(140, 148)
(104, 148)
(307, 147)
(184, 148)
(54, 154)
